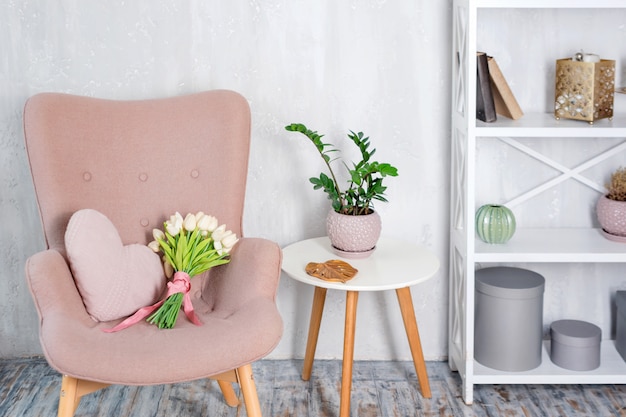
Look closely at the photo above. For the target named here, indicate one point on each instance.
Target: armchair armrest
(254, 271)
(55, 295)
(53, 289)
(52, 286)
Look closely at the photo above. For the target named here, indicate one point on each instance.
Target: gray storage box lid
(575, 333)
(509, 282)
(620, 300)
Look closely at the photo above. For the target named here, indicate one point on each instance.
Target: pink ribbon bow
(180, 283)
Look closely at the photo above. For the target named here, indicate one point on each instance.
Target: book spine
(485, 107)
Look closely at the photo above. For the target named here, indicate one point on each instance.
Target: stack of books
(493, 94)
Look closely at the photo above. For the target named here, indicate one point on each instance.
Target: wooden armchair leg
(68, 399)
(248, 389)
(229, 393)
(72, 389)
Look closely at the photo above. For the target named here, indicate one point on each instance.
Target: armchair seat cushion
(143, 354)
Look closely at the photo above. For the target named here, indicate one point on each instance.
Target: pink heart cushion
(114, 280)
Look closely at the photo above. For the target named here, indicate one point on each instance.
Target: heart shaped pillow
(114, 280)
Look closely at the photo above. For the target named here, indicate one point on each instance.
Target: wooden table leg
(410, 325)
(348, 353)
(314, 328)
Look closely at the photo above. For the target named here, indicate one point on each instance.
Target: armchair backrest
(137, 162)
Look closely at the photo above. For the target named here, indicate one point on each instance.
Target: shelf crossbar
(566, 173)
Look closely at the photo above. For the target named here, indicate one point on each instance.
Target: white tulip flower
(158, 234)
(154, 245)
(218, 247)
(177, 219)
(172, 229)
(174, 224)
(229, 239)
(219, 233)
(207, 223)
(190, 222)
(213, 224)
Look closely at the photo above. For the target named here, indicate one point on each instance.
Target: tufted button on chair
(138, 162)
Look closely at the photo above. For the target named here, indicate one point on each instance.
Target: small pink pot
(612, 216)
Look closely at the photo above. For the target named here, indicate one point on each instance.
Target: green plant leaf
(180, 252)
(170, 239)
(387, 169)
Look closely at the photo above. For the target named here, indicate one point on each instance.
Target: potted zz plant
(611, 207)
(352, 224)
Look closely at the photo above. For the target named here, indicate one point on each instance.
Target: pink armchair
(138, 162)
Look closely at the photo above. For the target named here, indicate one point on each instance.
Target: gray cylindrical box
(575, 345)
(508, 318)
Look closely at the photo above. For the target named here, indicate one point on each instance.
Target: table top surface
(394, 264)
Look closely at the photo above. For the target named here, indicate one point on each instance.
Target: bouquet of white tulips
(190, 246)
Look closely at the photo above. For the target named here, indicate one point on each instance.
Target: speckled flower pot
(612, 216)
(353, 236)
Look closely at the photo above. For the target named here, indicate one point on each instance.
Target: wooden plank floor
(29, 387)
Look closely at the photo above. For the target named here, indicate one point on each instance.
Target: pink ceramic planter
(353, 236)
(612, 216)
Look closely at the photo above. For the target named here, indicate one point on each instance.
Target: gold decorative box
(584, 90)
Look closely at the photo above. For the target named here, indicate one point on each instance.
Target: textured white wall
(376, 66)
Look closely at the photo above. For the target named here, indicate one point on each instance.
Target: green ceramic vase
(495, 223)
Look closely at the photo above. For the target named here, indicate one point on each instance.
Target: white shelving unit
(572, 245)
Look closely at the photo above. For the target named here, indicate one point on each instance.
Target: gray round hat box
(575, 345)
(508, 318)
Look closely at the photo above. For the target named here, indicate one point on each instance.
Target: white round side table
(394, 265)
